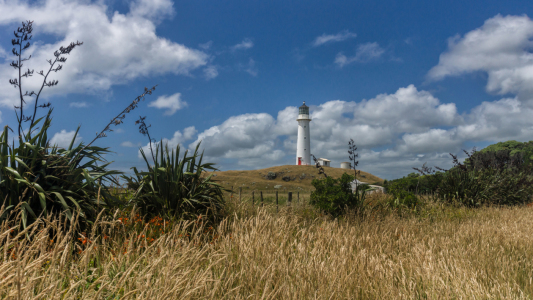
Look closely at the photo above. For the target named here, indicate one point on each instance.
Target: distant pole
(261, 198)
(298, 199)
(276, 201)
(240, 191)
(290, 199)
(253, 198)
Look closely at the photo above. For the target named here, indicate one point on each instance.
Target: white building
(303, 144)
(324, 162)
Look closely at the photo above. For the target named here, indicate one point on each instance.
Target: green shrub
(333, 196)
(493, 177)
(413, 183)
(177, 188)
(402, 198)
(43, 180)
(487, 186)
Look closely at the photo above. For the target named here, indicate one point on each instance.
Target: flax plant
(42, 180)
(177, 187)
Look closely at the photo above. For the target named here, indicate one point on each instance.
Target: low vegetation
(442, 252)
(297, 178)
(498, 176)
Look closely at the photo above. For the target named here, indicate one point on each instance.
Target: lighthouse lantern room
(303, 145)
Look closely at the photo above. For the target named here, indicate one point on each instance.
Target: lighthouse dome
(303, 110)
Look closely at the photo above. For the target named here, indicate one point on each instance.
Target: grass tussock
(443, 253)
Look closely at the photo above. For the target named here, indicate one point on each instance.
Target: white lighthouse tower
(303, 145)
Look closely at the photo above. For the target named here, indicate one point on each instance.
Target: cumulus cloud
(260, 140)
(170, 103)
(331, 38)
(394, 132)
(63, 138)
(249, 138)
(117, 47)
(154, 10)
(245, 44)
(501, 48)
(364, 53)
(177, 139)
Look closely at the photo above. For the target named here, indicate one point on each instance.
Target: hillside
(300, 178)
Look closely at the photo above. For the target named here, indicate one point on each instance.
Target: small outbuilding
(346, 165)
(324, 162)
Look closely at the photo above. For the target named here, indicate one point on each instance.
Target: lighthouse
(303, 145)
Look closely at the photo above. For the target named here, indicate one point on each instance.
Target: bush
(425, 184)
(43, 180)
(501, 177)
(177, 188)
(402, 198)
(487, 186)
(333, 196)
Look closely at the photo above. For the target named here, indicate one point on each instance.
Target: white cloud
(394, 132)
(63, 138)
(206, 45)
(259, 140)
(154, 10)
(3, 53)
(330, 38)
(127, 144)
(501, 48)
(117, 47)
(177, 139)
(210, 72)
(171, 103)
(249, 138)
(250, 68)
(364, 53)
(245, 44)
(78, 104)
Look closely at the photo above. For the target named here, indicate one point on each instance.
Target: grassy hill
(300, 178)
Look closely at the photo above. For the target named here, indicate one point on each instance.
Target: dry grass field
(441, 252)
(301, 177)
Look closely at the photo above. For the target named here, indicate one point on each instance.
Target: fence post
(290, 199)
(240, 191)
(277, 201)
(253, 198)
(298, 199)
(261, 198)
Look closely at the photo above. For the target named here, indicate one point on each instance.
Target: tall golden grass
(440, 253)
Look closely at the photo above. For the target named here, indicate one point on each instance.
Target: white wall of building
(303, 144)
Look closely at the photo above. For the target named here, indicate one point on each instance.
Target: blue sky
(409, 82)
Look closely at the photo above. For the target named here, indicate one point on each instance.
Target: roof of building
(324, 159)
(303, 105)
